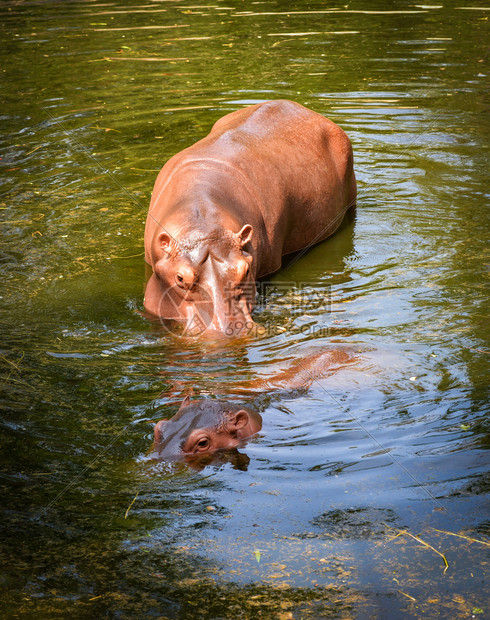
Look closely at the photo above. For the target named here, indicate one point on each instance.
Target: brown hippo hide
(268, 180)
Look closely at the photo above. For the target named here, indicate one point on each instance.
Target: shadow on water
(326, 258)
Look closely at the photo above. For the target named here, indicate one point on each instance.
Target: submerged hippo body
(268, 180)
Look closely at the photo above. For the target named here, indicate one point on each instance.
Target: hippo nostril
(185, 277)
(243, 269)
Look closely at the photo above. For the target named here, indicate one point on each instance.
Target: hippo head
(208, 280)
(204, 427)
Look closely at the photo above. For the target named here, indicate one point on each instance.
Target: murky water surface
(316, 516)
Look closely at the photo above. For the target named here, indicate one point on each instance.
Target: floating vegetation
(469, 538)
(130, 505)
(140, 28)
(423, 542)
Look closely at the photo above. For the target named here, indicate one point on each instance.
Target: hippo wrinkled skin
(268, 180)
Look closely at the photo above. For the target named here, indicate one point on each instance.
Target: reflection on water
(96, 96)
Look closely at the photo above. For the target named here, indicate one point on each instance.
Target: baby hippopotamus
(203, 427)
(206, 427)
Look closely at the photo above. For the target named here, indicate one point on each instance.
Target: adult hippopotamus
(201, 428)
(268, 180)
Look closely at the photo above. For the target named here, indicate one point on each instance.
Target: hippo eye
(202, 444)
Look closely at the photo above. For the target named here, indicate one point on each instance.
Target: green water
(96, 96)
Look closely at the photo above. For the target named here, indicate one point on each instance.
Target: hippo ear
(238, 420)
(185, 402)
(166, 242)
(245, 235)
